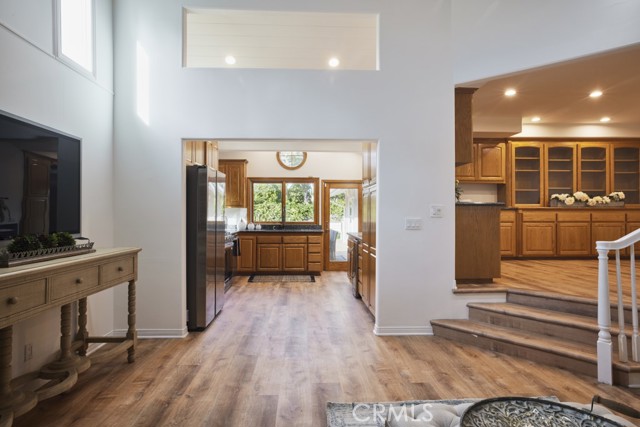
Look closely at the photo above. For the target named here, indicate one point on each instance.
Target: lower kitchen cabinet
(247, 257)
(538, 234)
(271, 252)
(574, 232)
(508, 233)
(269, 257)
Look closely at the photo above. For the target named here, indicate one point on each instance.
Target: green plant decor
(26, 243)
(65, 239)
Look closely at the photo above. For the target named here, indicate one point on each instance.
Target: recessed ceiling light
(605, 119)
(535, 119)
(510, 92)
(334, 62)
(595, 94)
(230, 59)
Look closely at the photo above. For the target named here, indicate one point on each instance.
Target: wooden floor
(278, 353)
(569, 277)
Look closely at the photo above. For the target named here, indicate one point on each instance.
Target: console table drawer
(119, 271)
(73, 282)
(16, 299)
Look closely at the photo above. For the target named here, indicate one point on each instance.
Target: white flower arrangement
(617, 196)
(580, 196)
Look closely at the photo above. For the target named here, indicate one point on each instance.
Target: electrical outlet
(28, 352)
(413, 223)
(435, 211)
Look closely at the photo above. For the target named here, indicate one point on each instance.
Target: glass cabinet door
(527, 174)
(593, 170)
(560, 170)
(626, 173)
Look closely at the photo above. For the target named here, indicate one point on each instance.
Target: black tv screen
(39, 179)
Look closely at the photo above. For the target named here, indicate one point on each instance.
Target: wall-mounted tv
(39, 179)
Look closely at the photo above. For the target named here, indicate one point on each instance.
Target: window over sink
(284, 200)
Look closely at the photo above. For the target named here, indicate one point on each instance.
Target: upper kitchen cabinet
(464, 125)
(527, 173)
(369, 163)
(236, 174)
(626, 171)
(489, 164)
(201, 152)
(561, 169)
(593, 159)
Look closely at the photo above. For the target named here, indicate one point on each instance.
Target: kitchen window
(284, 200)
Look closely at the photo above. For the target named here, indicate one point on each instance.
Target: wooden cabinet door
(490, 162)
(211, 154)
(606, 231)
(467, 171)
(236, 176)
(573, 238)
(539, 239)
(247, 259)
(294, 257)
(364, 277)
(625, 174)
(372, 283)
(269, 257)
(527, 174)
(187, 148)
(593, 169)
(507, 239)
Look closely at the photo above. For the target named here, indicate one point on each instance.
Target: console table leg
(12, 404)
(67, 359)
(132, 334)
(82, 334)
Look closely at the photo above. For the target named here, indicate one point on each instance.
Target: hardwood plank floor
(278, 352)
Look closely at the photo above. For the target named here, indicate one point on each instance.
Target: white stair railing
(604, 345)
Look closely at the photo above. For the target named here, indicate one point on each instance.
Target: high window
(76, 32)
(284, 200)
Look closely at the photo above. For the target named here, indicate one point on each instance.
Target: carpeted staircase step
(566, 326)
(561, 353)
(563, 303)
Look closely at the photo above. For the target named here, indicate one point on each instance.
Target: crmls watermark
(371, 412)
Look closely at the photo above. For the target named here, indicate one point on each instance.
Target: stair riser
(555, 330)
(564, 306)
(535, 355)
(516, 350)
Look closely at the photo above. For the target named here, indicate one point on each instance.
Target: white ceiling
(559, 93)
(275, 39)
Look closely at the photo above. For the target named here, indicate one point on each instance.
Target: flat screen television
(39, 179)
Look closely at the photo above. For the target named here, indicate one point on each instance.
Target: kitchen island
(477, 242)
(280, 251)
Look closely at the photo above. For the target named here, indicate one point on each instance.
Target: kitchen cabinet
(211, 154)
(236, 184)
(538, 233)
(294, 253)
(606, 226)
(626, 171)
(369, 163)
(488, 165)
(593, 176)
(527, 173)
(574, 232)
(369, 249)
(477, 242)
(463, 125)
(560, 169)
(247, 257)
(201, 152)
(508, 232)
(273, 252)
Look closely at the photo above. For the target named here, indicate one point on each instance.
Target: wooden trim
(283, 181)
(291, 168)
(326, 185)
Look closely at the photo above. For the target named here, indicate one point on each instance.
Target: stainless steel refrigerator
(205, 245)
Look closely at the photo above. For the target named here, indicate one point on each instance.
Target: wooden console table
(28, 290)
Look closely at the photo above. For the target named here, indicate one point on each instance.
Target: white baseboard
(402, 330)
(152, 333)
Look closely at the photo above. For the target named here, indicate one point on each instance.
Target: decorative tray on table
(13, 259)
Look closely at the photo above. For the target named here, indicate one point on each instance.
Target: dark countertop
(300, 230)
(499, 204)
(357, 236)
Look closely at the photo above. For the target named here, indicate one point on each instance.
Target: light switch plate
(436, 211)
(413, 223)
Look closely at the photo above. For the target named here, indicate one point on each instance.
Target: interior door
(341, 214)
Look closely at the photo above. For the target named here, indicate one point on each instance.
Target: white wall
(407, 106)
(36, 86)
(495, 37)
